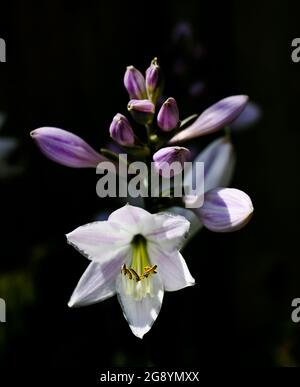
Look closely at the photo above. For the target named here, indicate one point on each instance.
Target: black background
(65, 65)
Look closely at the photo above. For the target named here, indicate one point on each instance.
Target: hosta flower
(168, 115)
(219, 161)
(121, 131)
(164, 157)
(154, 81)
(214, 118)
(225, 209)
(135, 255)
(134, 83)
(142, 110)
(222, 209)
(66, 148)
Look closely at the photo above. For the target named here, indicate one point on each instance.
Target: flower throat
(140, 267)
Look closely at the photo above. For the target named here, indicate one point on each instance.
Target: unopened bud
(154, 81)
(142, 110)
(169, 161)
(168, 116)
(121, 131)
(134, 82)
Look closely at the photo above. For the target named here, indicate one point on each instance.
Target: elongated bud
(214, 118)
(66, 148)
(121, 131)
(219, 161)
(142, 110)
(134, 82)
(225, 209)
(165, 157)
(154, 81)
(168, 116)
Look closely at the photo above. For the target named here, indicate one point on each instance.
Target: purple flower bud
(121, 131)
(134, 82)
(164, 157)
(66, 148)
(215, 117)
(142, 110)
(154, 81)
(168, 116)
(225, 209)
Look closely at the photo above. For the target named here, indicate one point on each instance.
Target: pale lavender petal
(100, 241)
(219, 161)
(172, 268)
(141, 314)
(133, 219)
(195, 222)
(225, 209)
(167, 231)
(66, 148)
(165, 157)
(98, 282)
(215, 117)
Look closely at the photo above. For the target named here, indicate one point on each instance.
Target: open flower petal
(225, 209)
(100, 241)
(195, 222)
(131, 218)
(215, 117)
(98, 282)
(167, 231)
(172, 268)
(141, 314)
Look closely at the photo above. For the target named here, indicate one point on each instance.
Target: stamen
(137, 277)
(149, 270)
(140, 271)
(126, 271)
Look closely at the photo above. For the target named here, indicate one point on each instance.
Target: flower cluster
(135, 253)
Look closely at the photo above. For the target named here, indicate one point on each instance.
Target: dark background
(65, 66)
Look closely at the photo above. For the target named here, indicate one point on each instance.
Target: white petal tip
(68, 236)
(139, 332)
(71, 303)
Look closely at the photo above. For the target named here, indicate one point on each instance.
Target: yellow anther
(149, 270)
(137, 277)
(126, 271)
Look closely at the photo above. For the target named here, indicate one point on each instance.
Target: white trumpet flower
(135, 255)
